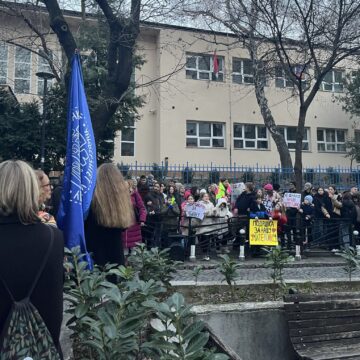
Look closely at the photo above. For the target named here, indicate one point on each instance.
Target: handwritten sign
(292, 200)
(195, 211)
(263, 232)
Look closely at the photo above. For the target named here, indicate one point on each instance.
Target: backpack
(25, 334)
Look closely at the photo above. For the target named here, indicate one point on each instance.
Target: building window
(128, 140)
(43, 66)
(242, 72)
(248, 136)
(201, 67)
(282, 79)
(3, 63)
(205, 134)
(357, 136)
(333, 81)
(331, 140)
(22, 70)
(289, 133)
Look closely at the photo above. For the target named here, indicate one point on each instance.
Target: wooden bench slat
(327, 305)
(349, 352)
(323, 314)
(340, 343)
(294, 324)
(308, 339)
(322, 330)
(321, 297)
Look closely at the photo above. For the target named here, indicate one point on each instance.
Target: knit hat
(203, 191)
(308, 198)
(307, 186)
(268, 187)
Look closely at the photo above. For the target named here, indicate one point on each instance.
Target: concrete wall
(255, 331)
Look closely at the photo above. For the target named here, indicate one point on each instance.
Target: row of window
(248, 136)
(22, 69)
(201, 67)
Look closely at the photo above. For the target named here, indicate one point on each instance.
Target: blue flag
(80, 167)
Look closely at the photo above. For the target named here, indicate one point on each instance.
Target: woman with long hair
(111, 212)
(31, 253)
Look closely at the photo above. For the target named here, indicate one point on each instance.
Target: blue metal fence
(341, 177)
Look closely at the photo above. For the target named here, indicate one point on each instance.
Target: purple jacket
(132, 236)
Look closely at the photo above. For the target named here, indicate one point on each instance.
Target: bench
(324, 326)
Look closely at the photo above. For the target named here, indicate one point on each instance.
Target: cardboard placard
(195, 210)
(263, 232)
(292, 200)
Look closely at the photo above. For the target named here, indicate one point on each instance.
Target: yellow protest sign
(263, 232)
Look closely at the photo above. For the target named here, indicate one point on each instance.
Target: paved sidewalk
(253, 271)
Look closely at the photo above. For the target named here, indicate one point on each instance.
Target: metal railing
(342, 177)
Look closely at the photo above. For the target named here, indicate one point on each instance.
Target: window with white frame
(242, 72)
(128, 140)
(289, 133)
(22, 70)
(205, 134)
(43, 66)
(201, 67)
(3, 63)
(248, 136)
(331, 140)
(333, 81)
(282, 79)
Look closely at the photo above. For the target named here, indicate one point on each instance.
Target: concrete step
(318, 252)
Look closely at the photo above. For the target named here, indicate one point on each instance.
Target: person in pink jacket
(132, 236)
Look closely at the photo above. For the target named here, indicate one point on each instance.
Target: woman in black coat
(322, 213)
(111, 212)
(24, 243)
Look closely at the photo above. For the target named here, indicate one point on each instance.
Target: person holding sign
(205, 230)
(279, 215)
(292, 207)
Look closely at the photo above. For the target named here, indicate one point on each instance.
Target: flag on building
(80, 167)
(215, 65)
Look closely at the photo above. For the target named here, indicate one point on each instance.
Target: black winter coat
(244, 202)
(22, 248)
(322, 201)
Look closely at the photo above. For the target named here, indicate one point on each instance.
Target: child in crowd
(279, 215)
(307, 214)
(257, 209)
(223, 215)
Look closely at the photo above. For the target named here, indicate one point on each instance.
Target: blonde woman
(44, 197)
(110, 214)
(27, 244)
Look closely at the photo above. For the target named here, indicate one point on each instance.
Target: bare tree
(305, 38)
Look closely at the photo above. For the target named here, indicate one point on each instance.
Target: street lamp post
(46, 76)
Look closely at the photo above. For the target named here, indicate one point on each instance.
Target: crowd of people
(323, 217)
(124, 213)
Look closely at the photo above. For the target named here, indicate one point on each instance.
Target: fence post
(192, 243)
(356, 242)
(242, 245)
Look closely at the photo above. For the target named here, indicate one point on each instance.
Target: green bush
(116, 320)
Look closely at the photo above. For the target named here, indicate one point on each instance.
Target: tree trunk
(283, 150)
(298, 167)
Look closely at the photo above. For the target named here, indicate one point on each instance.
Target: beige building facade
(192, 117)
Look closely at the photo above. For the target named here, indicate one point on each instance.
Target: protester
(322, 211)
(258, 209)
(44, 198)
(307, 215)
(270, 198)
(291, 213)
(27, 244)
(245, 199)
(142, 187)
(205, 230)
(154, 202)
(224, 189)
(348, 216)
(132, 236)
(223, 215)
(170, 213)
(111, 212)
(279, 215)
